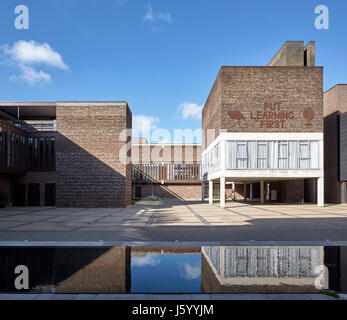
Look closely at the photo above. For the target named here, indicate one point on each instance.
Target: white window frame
(308, 144)
(262, 143)
(241, 143)
(286, 158)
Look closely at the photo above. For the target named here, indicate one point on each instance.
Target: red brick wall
(245, 99)
(211, 113)
(173, 191)
(88, 166)
(335, 104)
(295, 191)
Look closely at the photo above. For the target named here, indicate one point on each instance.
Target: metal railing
(166, 173)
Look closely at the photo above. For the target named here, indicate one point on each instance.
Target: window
(272, 154)
(304, 155)
(241, 155)
(283, 155)
(262, 155)
(314, 152)
(213, 159)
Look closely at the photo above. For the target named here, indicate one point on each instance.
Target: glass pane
(304, 151)
(304, 163)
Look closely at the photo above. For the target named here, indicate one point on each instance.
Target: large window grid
(271, 154)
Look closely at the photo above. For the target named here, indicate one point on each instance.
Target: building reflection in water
(260, 269)
(207, 269)
(68, 270)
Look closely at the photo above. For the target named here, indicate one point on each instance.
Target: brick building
(260, 269)
(335, 144)
(263, 130)
(262, 140)
(67, 154)
(166, 170)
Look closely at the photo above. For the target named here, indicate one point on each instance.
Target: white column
(262, 192)
(210, 192)
(251, 191)
(202, 191)
(245, 192)
(233, 192)
(222, 192)
(320, 192)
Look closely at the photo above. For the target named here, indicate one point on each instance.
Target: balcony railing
(24, 150)
(166, 173)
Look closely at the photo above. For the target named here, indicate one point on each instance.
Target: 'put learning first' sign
(272, 116)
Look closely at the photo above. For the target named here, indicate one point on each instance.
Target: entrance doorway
(34, 194)
(50, 194)
(19, 194)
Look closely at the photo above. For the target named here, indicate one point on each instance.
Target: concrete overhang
(39, 110)
(46, 110)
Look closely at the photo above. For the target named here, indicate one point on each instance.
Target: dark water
(207, 269)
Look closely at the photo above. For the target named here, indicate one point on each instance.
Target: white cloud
(31, 52)
(165, 16)
(31, 76)
(189, 271)
(188, 110)
(26, 54)
(143, 125)
(147, 260)
(151, 16)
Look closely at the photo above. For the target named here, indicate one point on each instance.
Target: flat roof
(335, 86)
(46, 110)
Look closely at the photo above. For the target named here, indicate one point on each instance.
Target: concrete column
(210, 192)
(251, 191)
(262, 192)
(202, 191)
(233, 191)
(222, 192)
(320, 192)
(245, 192)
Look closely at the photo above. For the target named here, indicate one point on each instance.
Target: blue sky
(162, 56)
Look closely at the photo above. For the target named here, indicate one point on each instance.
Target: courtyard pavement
(174, 220)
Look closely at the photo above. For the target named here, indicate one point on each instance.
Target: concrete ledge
(167, 297)
(170, 244)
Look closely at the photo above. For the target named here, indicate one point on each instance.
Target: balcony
(166, 173)
(23, 148)
(264, 155)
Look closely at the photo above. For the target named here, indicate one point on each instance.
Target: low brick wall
(172, 191)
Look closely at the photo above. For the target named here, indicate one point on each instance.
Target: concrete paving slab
(39, 226)
(186, 220)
